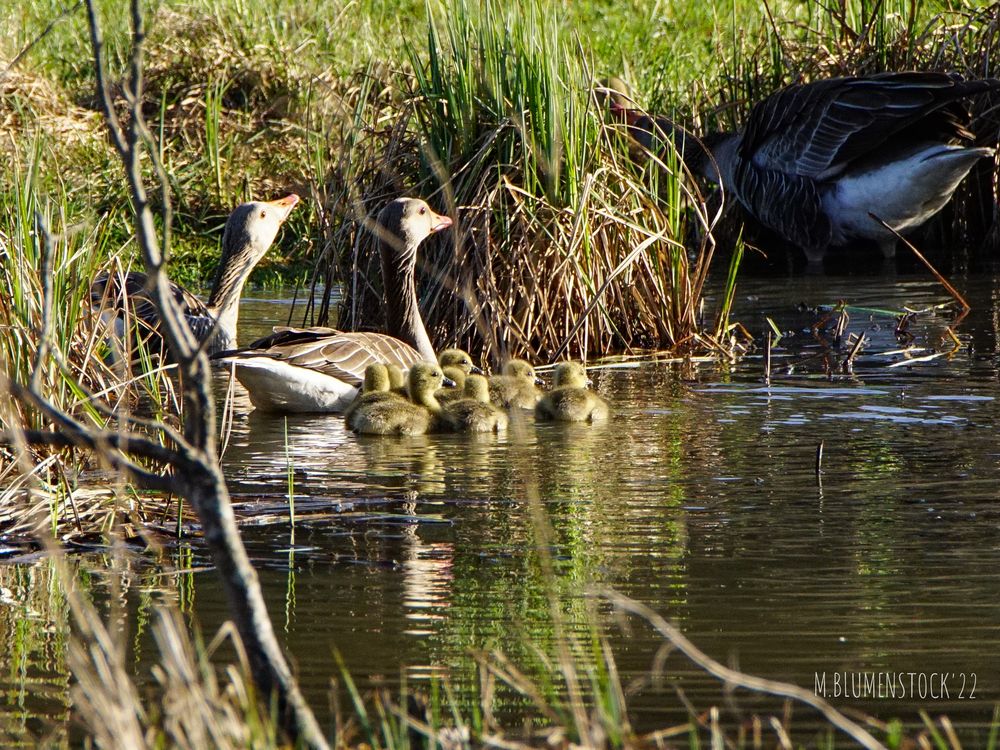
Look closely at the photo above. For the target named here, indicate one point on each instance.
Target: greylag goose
(814, 159)
(516, 387)
(320, 370)
(399, 417)
(474, 412)
(249, 233)
(570, 400)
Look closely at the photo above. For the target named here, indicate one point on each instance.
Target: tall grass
(564, 244)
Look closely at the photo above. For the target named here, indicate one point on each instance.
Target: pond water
(699, 498)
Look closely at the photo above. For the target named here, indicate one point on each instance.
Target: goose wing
(814, 130)
(115, 291)
(339, 354)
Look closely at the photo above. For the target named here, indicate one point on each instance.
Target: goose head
(251, 229)
(405, 223)
(458, 358)
(570, 375)
(249, 233)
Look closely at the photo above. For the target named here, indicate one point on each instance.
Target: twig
(732, 678)
(944, 282)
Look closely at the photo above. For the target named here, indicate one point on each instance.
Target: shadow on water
(699, 498)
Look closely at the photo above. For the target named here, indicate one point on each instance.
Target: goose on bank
(320, 370)
(570, 400)
(396, 416)
(249, 233)
(814, 159)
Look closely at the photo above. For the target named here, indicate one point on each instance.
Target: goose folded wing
(787, 204)
(342, 355)
(114, 291)
(815, 130)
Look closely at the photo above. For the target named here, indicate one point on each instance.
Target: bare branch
(101, 444)
(737, 679)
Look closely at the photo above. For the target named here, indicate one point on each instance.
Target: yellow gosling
(453, 393)
(474, 412)
(376, 387)
(516, 387)
(399, 417)
(570, 400)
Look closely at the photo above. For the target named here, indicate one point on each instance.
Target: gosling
(570, 400)
(457, 375)
(474, 412)
(376, 387)
(516, 388)
(398, 417)
(455, 364)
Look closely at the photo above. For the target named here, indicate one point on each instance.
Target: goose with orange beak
(250, 231)
(321, 369)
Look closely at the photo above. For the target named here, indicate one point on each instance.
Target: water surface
(699, 498)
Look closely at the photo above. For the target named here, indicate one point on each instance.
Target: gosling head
(251, 229)
(456, 374)
(458, 358)
(376, 379)
(477, 388)
(406, 222)
(570, 375)
(423, 379)
(518, 368)
(397, 381)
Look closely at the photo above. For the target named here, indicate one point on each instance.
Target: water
(699, 498)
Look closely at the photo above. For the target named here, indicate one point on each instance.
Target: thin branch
(101, 444)
(733, 678)
(920, 256)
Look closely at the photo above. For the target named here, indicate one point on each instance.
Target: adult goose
(814, 160)
(570, 400)
(320, 370)
(249, 233)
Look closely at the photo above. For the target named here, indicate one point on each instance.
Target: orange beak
(285, 204)
(440, 223)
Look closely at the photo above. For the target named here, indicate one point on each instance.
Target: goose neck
(402, 307)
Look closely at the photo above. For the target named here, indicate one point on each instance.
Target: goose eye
(423, 211)
(263, 214)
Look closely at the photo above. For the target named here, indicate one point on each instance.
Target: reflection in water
(699, 497)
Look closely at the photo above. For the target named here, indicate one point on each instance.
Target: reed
(564, 243)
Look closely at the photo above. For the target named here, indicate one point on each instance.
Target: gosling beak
(285, 204)
(448, 382)
(589, 382)
(440, 223)
(475, 371)
(539, 381)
